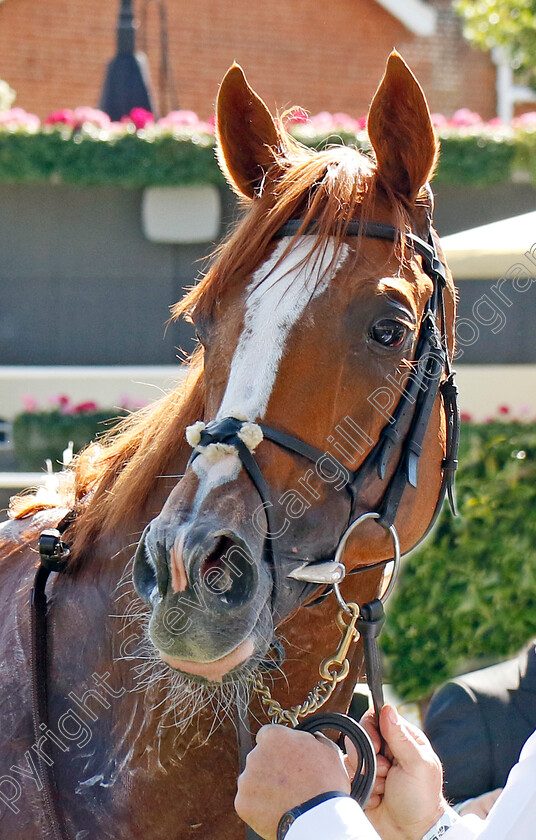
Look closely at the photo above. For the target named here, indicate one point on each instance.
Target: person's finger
(418, 734)
(370, 725)
(265, 732)
(373, 802)
(382, 766)
(379, 786)
(327, 741)
(403, 744)
(352, 758)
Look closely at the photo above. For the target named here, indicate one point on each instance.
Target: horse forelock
(329, 188)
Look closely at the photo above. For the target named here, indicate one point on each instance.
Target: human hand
(407, 797)
(285, 769)
(481, 805)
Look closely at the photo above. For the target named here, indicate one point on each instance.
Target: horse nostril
(144, 574)
(150, 573)
(228, 572)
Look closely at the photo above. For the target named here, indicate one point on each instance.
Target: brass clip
(335, 668)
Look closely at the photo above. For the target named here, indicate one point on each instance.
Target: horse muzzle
(209, 597)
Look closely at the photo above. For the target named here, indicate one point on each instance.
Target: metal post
(127, 83)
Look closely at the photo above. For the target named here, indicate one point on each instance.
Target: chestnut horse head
(310, 321)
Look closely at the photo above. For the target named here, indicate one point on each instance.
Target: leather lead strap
(370, 623)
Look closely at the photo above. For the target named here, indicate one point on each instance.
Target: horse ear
(247, 135)
(401, 131)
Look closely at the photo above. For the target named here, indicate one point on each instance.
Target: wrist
(444, 821)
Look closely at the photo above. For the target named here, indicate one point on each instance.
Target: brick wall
(318, 55)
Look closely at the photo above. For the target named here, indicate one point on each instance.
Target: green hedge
(45, 434)
(479, 160)
(139, 160)
(127, 161)
(468, 596)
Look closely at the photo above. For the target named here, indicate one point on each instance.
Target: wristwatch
(290, 816)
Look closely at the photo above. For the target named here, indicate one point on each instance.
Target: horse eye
(199, 338)
(389, 333)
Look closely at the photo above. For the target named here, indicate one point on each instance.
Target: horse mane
(111, 481)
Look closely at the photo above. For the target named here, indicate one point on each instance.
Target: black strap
(54, 557)
(296, 445)
(38, 628)
(372, 230)
(370, 622)
(365, 774)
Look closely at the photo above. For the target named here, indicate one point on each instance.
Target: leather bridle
(406, 430)
(431, 373)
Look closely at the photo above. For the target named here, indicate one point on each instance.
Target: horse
(199, 536)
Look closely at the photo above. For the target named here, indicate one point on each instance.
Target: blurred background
(110, 198)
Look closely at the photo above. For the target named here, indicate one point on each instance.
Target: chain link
(333, 670)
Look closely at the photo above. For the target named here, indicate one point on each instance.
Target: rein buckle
(54, 553)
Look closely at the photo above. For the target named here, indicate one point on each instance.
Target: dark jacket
(478, 722)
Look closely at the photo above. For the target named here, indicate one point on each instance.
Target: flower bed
(84, 147)
(468, 595)
(43, 434)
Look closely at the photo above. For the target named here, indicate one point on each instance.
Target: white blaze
(277, 297)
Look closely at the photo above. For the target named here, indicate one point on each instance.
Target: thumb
(403, 741)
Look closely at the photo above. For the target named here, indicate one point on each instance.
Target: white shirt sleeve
(513, 817)
(340, 818)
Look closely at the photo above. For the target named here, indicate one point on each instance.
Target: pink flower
(186, 119)
(495, 122)
(296, 116)
(85, 114)
(88, 405)
(465, 417)
(465, 117)
(64, 116)
(323, 121)
(29, 403)
(19, 118)
(504, 409)
(180, 118)
(60, 401)
(527, 119)
(346, 122)
(140, 117)
(438, 120)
